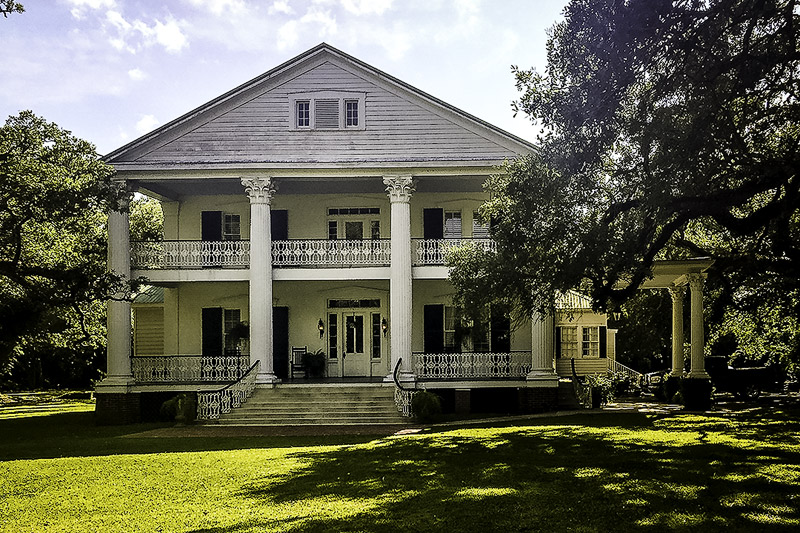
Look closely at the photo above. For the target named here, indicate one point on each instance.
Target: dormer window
(327, 110)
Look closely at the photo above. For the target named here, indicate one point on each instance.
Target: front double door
(348, 340)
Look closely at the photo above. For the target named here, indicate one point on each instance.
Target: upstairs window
(327, 110)
(303, 114)
(231, 227)
(351, 109)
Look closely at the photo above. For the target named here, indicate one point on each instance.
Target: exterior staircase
(315, 405)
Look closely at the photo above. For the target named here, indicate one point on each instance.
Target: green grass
(620, 472)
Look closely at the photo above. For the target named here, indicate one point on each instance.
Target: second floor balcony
(293, 253)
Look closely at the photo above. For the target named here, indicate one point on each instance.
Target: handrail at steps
(402, 395)
(582, 391)
(633, 375)
(212, 404)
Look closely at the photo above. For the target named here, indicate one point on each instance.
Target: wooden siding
(149, 331)
(396, 129)
(583, 367)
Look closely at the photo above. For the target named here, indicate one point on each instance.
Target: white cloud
(326, 22)
(365, 7)
(287, 35)
(136, 74)
(280, 6)
(168, 34)
(80, 7)
(146, 123)
(218, 7)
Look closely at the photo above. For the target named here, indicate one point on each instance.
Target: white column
(542, 349)
(118, 350)
(260, 191)
(400, 189)
(676, 291)
(698, 369)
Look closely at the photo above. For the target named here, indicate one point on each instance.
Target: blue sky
(112, 70)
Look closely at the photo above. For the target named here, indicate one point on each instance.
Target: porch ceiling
(175, 188)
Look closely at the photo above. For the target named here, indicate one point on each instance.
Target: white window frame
(341, 96)
(226, 236)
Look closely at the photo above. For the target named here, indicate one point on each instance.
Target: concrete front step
(315, 405)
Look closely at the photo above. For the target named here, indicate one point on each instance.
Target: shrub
(181, 408)
(314, 363)
(602, 387)
(668, 389)
(697, 394)
(426, 406)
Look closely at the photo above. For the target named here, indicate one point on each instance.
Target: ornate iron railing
(324, 252)
(402, 395)
(212, 404)
(471, 365)
(155, 255)
(434, 251)
(189, 368)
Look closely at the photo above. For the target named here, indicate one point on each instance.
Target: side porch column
(677, 291)
(118, 352)
(698, 369)
(116, 403)
(260, 191)
(400, 189)
(541, 393)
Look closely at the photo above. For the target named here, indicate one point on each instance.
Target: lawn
(731, 471)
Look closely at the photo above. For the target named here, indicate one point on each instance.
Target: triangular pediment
(256, 124)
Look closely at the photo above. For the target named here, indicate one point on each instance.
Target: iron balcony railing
(188, 368)
(315, 253)
(471, 365)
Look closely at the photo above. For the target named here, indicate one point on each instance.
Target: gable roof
(249, 125)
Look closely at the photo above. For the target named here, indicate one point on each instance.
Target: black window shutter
(602, 336)
(211, 225)
(433, 223)
(558, 342)
(500, 332)
(433, 335)
(211, 326)
(279, 220)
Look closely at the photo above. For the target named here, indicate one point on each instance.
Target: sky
(113, 70)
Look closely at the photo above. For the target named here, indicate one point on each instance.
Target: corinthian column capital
(399, 188)
(260, 190)
(677, 292)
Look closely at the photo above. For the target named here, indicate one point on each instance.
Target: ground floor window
(581, 341)
(446, 331)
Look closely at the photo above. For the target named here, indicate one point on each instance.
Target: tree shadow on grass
(76, 435)
(683, 473)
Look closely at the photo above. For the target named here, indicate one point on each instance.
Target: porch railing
(156, 255)
(212, 404)
(633, 375)
(189, 368)
(433, 251)
(326, 252)
(471, 365)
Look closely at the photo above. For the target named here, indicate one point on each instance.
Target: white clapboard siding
(583, 367)
(148, 331)
(396, 129)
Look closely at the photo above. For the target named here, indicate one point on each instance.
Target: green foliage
(314, 363)
(10, 6)
(696, 394)
(181, 408)
(426, 406)
(670, 131)
(54, 195)
(146, 219)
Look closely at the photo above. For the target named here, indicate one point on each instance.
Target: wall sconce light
(321, 328)
(616, 314)
(384, 326)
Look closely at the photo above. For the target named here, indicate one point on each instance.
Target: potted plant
(314, 363)
(602, 389)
